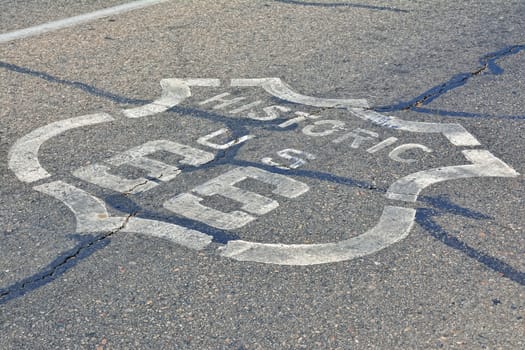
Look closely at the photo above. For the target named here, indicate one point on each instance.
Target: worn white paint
(205, 140)
(253, 203)
(76, 20)
(246, 107)
(396, 153)
(358, 137)
(292, 155)
(334, 125)
(91, 216)
(224, 185)
(269, 161)
(302, 116)
(394, 225)
(221, 101)
(383, 144)
(190, 156)
(100, 175)
(23, 156)
(270, 113)
(484, 164)
(455, 133)
(90, 212)
(189, 205)
(174, 91)
(278, 88)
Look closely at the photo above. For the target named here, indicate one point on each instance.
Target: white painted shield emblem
(393, 224)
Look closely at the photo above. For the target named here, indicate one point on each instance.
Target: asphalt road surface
(262, 175)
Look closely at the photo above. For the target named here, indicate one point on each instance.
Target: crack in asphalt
(128, 192)
(444, 88)
(487, 64)
(145, 182)
(28, 284)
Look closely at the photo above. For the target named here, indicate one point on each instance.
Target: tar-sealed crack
(456, 81)
(487, 65)
(22, 287)
(128, 192)
(443, 88)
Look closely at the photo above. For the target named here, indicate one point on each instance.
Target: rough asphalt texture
(456, 282)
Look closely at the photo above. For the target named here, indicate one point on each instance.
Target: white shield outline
(394, 224)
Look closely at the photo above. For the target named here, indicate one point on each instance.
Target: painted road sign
(286, 113)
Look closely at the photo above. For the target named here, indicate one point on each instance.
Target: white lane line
(73, 21)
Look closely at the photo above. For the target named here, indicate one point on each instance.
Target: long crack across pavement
(487, 64)
(61, 264)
